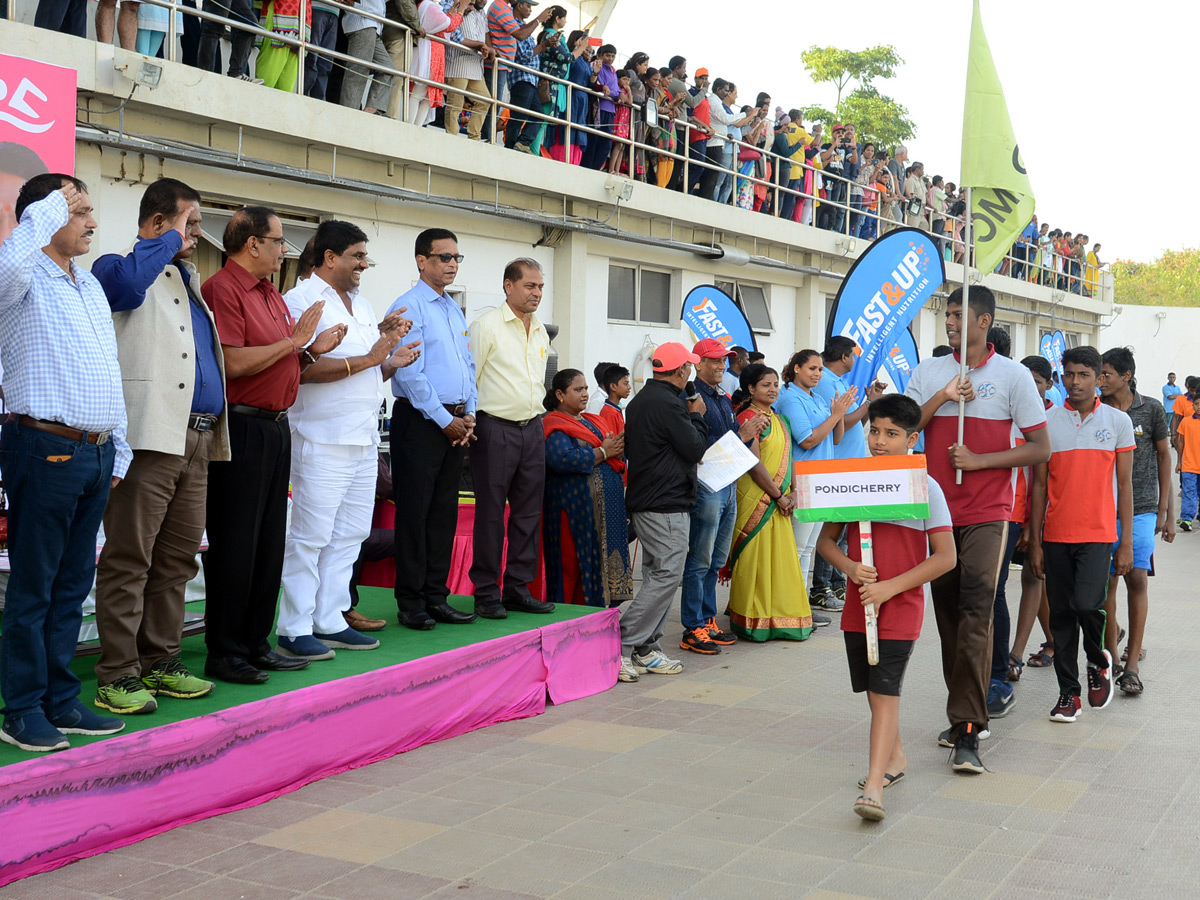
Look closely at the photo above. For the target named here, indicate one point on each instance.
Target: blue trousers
(57, 490)
(1191, 494)
(317, 66)
(63, 16)
(713, 518)
(522, 128)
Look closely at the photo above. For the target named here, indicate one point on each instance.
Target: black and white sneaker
(944, 739)
(1184, 525)
(965, 757)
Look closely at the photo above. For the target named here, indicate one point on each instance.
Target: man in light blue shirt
(731, 380)
(433, 421)
(61, 456)
(828, 584)
(1170, 391)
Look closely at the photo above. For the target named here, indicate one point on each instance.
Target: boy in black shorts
(908, 554)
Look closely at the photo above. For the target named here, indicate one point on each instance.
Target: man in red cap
(714, 512)
(665, 437)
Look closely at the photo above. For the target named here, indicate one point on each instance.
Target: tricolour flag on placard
(875, 489)
(1001, 197)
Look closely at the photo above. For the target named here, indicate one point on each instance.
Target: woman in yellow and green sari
(767, 599)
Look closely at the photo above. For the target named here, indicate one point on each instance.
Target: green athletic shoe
(171, 678)
(126, 697)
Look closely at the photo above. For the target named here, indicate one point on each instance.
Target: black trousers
(379, 545)
(247, 523)
(1076, 585)
(64, 16)
(508, 464)
(426, 472)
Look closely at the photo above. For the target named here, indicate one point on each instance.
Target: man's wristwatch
(308, 355)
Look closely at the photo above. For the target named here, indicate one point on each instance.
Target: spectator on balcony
(126, 22)
(720, 150)
(523, 87)
(555, 61)
(464, 70)
(241, 14)
(507, 25)
(364, 40)
(834, 156)
(898, 166)
(430, 62)
(747, 144)
(675, 84)
(935, 199)
(863, 194)
(604, 82)
(400, 41)
(278, 63)
(63, 16)
(889, 200)
(661, 135)
(700, 118)
(153, 23)
(324, 35)
(797, 140)
(639, 64)
(914, 193)
(579, 74)
(622, 121)
(1092, 279)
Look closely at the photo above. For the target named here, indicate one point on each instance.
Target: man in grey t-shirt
(1152, 513)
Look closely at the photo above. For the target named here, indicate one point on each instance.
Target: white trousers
(333, 496)
(806, 534)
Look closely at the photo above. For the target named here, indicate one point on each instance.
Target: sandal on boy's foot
(1015, 667)
(888, 781)
(1129, 683)
(871, 810)
(1125, 654)
(1043, 659)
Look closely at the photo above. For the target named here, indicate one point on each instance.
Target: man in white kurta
(335, 433)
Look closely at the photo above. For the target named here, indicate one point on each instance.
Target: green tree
(880, 119)
(1171, 280)
(839, 67)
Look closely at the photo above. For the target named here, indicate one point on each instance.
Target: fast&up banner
(711, 313)
(901, 360)
(878, 488)
(881, 294)
(1053, 346)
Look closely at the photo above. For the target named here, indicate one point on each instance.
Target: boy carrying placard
(909, 553)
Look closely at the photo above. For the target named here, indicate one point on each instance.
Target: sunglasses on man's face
(446, 257)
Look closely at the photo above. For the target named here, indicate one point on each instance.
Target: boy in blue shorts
(1151, 507)
(908, 554)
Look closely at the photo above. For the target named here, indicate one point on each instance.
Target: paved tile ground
(734, 779)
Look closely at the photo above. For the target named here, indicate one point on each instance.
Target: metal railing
(818, 204)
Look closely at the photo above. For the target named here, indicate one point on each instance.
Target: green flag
(1001, 197)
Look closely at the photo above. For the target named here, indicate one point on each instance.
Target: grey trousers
(366, 44)
(664, 538)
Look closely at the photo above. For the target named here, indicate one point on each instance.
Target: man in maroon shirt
(264, 350)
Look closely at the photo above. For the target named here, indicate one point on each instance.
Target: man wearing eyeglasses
(265, 349)
(433, 420)
(335, 432)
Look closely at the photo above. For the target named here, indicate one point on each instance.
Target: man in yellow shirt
(508, 464)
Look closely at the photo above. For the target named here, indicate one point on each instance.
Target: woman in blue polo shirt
(815, 426)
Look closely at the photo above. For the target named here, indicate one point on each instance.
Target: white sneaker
(657, 662)
(628, 672)
(245, 77)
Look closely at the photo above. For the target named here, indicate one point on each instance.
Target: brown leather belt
(455, 409)
(73, 434)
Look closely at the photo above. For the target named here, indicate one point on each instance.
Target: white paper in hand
(725, 461)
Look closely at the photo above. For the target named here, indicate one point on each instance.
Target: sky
(1101, 93)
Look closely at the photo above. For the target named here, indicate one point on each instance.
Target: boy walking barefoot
(1074, 527)
(908, 554)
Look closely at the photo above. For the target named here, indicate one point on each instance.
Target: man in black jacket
(664, 440)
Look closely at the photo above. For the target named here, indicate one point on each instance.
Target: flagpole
(962, 328)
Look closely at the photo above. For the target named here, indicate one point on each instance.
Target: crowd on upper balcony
(643, 122)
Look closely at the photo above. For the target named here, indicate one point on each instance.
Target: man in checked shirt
(58, 459)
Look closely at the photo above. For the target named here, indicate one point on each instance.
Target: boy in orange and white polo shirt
(1188, 441)
(1074, 527)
